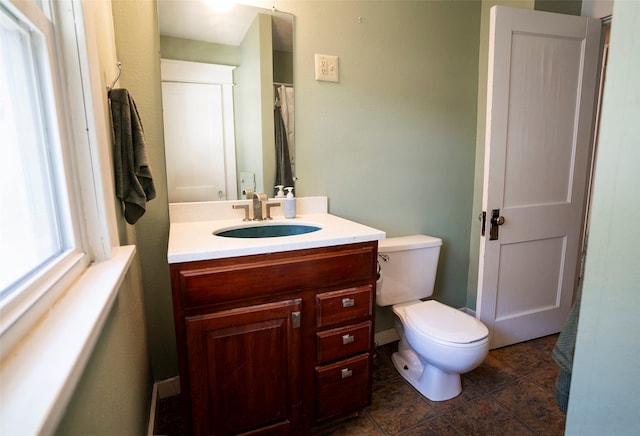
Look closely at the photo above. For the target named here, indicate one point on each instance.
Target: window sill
(39, 376)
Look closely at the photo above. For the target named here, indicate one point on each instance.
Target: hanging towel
(133, 180)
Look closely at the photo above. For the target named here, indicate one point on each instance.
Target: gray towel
(133, 180)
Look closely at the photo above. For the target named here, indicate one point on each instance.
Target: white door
(194, 141)
(540, 105)
(197, 104)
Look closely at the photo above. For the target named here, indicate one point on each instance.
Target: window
(41, 248)
(57, 213)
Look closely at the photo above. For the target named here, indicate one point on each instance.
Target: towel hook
(119, 65)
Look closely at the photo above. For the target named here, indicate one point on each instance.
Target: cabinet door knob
(348, 302)
(347, 339)
(346, 373)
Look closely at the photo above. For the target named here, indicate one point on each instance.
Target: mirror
(208, 157)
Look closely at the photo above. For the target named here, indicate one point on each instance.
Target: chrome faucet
(259, 209)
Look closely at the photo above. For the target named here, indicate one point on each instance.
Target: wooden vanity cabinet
(275, 343)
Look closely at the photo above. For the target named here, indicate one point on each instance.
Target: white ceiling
(195, 19)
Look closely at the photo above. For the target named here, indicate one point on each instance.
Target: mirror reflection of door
(197, 107)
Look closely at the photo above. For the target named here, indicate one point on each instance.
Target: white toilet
(437, 342)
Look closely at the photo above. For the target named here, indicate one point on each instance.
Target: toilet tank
(408, 267)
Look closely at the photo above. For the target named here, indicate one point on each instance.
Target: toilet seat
(445, 324)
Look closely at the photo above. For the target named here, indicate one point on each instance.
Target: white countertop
(191, 239)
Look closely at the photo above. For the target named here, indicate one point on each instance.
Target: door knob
(497, 221)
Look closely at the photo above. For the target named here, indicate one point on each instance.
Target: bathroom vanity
(274, 335)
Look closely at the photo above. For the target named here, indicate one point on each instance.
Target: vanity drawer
(342, 342)
(345, 305)
(343, 387)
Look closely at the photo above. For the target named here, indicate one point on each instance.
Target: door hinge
(483, 220)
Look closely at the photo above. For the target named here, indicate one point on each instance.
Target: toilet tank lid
(408, 242)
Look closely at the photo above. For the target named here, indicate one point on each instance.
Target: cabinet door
(244, 368)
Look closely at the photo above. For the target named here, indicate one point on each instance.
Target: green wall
(253, 99)
(392, 144)
(282, 66)
(266, 105)
(138, 48)
(198, 51)
(568, 7)
(605, 388)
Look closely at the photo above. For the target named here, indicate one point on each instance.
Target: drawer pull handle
(346, 373)
(348, 302)
(347, 339)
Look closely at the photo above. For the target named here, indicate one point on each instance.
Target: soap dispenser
(280, 193)
(289, 204)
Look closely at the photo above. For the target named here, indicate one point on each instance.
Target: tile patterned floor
(511, 393)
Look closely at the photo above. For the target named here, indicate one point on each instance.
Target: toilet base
(430, 381)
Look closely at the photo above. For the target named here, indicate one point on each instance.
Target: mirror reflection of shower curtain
(284, 175)
(285, 95)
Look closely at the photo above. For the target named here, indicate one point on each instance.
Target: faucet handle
(268, 209)
(247, 211)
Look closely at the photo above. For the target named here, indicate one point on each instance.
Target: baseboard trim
(161, 389)
(168, 387)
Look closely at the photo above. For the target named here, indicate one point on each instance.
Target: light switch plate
(327, 68)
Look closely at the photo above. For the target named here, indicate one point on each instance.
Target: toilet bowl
(437, 342)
